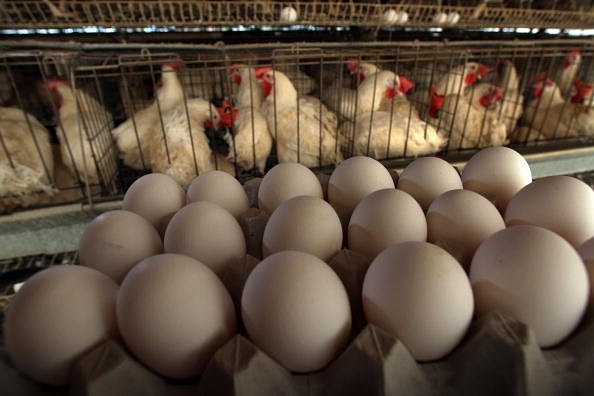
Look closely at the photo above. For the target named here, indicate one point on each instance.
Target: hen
(26, 161)
(553, 117)
(82, 120)
(456, 81)
(249, 140)
(178, 146)
(567, 74)
(470, 120)
(304, 130)
(512, 105)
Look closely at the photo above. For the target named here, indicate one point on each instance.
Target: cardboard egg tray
(498, 356)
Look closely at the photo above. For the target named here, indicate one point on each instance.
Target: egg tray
(498, 356)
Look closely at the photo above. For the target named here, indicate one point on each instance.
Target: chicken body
(382, 135)
(82, 120)
(26, 161)
(304, 130)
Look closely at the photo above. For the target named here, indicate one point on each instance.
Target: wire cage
(122, 113)
(56, 144)
(322, 72)
(31, 14)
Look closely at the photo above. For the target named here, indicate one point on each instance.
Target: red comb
(54, 83)
(352, 64)
(259, 72)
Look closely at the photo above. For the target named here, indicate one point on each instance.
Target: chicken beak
(353, 65)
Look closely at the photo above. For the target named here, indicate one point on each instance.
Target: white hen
(83, 123)
(305, 131)
(179, 147)
(554, 117)
(471, 121)
(26, 162)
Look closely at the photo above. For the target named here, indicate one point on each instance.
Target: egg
(402, 17)
(207, 232)
(173, 313)
(453, 18)
(389, 17)
(355, 178)
(460, 220)
(497, 173)
(562, 204)
(221, 188)
(156, 197)
(426, 178)
(586, 252)
(287, 180)
(532, 275)
(418, 292)
(440, 18)
(59, 314)
(288, 14)
(307, 224)
(115, 241)
(383, 218)
(296, 310)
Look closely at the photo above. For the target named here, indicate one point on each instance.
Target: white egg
(156, 197)
(307, 224)
(389, 17)
(287, 180)
(426, 178)
(221, 188)
(460, 220)
(586, 252)
(562, 204)
(402, 17)
(296, 309)
(288, 14)
(419, 293)
(174, 313)
(532, 275)
(440, 18)
(383, 218)
(497, 173)
(116, 241)
(59, 314)
(453, 18)
(210, 234)
(355, 178)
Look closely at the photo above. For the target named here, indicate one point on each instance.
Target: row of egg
(437, 243)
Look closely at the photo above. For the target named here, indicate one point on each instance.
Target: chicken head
(583, 92)
(475, 71)
(266, 76)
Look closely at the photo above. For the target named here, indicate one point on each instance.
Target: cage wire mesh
(37, 158)
(34, 14)
(117, 87)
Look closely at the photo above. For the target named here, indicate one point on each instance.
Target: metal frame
(43, 14)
